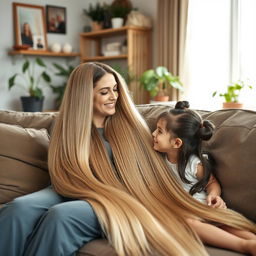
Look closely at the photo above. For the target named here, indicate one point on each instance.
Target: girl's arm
(213, 190)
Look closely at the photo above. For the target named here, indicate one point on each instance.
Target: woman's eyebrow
(104, 88)
(107, 88)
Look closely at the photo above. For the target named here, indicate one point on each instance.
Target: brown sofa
(24, 139)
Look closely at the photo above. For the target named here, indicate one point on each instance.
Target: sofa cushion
(24, 143)
(23, 161)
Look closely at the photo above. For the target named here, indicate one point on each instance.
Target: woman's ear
(177, 143)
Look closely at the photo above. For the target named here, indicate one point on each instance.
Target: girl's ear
(177, 143)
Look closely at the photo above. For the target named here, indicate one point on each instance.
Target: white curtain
(207, 53)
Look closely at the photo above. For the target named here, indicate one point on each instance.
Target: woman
(116, 175)
(26, 35)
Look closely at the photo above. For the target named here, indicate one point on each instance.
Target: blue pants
(45, 223)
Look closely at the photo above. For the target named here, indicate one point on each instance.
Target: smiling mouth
(110, 105)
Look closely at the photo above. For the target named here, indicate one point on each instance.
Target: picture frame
(29, 26)
(56, 19)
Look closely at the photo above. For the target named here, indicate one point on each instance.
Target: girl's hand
(215, 201)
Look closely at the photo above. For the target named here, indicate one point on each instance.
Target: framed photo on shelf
(56, 19)
(29, 26)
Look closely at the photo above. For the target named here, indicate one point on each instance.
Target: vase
(32, 104)
(67, 48)
(96, 26)
(161, 98)
(117, 22)
(56, 47)
(232, 105)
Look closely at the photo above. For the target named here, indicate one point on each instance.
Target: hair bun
(182, 104)
(206, 129)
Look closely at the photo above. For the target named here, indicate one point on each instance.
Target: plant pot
(161, 98)
(117, 22)
(96, 26)
(232, 105)
(32, 104)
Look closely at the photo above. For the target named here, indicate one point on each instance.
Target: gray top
(109, 150)
(106, 144)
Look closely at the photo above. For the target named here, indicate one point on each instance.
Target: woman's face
(105, 94)
(26, 27)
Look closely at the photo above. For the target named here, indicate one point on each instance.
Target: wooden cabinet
(137, 59)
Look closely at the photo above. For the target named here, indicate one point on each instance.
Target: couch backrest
(36, 120)
(233, 146)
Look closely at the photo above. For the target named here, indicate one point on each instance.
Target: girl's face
(105, 94)
(162, 139)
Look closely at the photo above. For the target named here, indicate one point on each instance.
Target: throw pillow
(23, 161)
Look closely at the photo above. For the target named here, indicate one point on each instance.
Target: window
(220, 49)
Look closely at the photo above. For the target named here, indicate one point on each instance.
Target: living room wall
(75, 23)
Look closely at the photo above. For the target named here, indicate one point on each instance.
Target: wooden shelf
(137, 59)
(112, 31)
(101, 58)
(43, 53)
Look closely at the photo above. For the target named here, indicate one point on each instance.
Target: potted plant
(156, 81)
(60, 89)
(119, 10)
(232, 94)
(30, 79)
(96, 13)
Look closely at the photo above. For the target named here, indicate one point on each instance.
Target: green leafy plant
(233, 91)
(119, 11)
(157, 80)
(120, 8)
(96, 13)
(60, 89)
(30, 79)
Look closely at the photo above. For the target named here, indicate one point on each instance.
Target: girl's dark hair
(189, 126)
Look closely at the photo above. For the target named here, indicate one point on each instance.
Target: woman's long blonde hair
(141, 208)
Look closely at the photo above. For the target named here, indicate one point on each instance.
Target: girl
(179, 135)
(191, 168)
